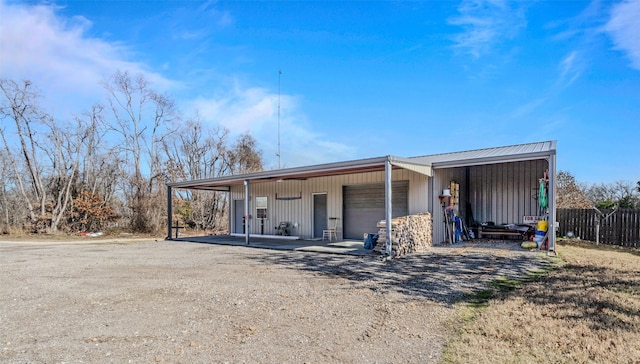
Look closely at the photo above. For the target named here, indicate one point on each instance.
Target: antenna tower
(279, 75)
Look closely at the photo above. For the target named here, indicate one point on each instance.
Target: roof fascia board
(283, 173)
(494, 160)
(213, 188)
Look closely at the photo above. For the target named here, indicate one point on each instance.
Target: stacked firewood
(409, 234)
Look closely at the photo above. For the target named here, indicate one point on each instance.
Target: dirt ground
(588, 311)
(159, 301)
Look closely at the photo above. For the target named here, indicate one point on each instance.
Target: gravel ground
(148, 301)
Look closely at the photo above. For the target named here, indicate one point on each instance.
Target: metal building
(497, 185)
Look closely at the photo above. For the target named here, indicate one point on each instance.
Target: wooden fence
(620, 227)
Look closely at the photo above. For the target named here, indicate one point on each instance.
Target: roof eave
(495, 159)
(360, 165)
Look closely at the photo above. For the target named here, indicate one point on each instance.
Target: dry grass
(587, 310)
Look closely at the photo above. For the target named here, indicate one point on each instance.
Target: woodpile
(409, 234)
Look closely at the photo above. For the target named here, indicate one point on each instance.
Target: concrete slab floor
(345, 247)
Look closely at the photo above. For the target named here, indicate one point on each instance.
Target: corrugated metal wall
(502, 193)
(300, 210)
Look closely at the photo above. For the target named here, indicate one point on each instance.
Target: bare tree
(101, 166)
(620, 194)
(49, 150)
(20, 107)
(82, 173)
(199, 153)
(64, 153)
(570, 193)
(245, 156)
(204, 153)
(12, 208)
(7, 209)
(142, 119)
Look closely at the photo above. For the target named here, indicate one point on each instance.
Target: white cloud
(526, 110)
(59, 57)
(56, 55)
(240, 109)
(255, 110)
(570, 69)
(624, 29)
(485, 24)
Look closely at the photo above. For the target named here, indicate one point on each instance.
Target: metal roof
(423, 165)
(512, 153)
(296, 173)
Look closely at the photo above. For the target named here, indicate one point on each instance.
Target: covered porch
(342, 247)
(310, 200)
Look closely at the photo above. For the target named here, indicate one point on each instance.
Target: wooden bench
(498, 232)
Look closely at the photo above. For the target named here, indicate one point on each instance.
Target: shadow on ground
(602, 297)
(444, 275)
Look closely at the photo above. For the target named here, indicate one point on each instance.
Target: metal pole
(169, 213)
(246, 212)
(387, 203)
(229, 202)
(552, 203)
(279, 76)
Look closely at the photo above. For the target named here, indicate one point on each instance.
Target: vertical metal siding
(301, 212)
(502, 193)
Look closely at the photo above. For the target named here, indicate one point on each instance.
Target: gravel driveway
(148, 301)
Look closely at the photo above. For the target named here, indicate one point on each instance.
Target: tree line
(572, 194)
(108, 165)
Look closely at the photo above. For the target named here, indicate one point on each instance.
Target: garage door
(364, 207)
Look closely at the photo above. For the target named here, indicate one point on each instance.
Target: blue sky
(359, 79)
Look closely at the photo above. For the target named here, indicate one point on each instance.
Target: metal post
(246, 212)
(387, 203)
(279, 76)
(169, 213)
(229, 203)
(552, 203)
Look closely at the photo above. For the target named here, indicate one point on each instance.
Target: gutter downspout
(387, 203)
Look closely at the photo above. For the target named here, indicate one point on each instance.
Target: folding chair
(332, 232)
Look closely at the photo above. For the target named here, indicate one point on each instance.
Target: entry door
(238, 208)
(319, 214)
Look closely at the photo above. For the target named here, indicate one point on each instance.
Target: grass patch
(585, 309)
(475, 304)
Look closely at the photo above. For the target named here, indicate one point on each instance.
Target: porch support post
(229, 212)
(387, 203)
(247, 224)
(552, 204)
(169, 212)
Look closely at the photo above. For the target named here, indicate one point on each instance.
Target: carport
(496, 185)
(384, 166)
